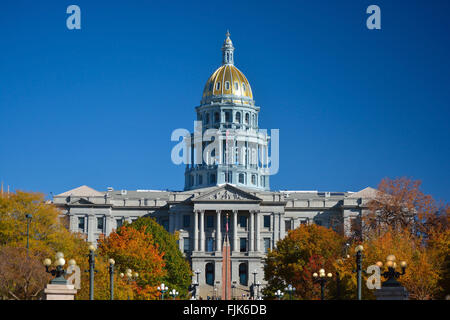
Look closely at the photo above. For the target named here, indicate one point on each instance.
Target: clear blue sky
(97, 106)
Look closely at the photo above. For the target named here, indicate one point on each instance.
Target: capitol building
(231, 190)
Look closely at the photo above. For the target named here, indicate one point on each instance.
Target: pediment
(81, 201)
(227, 193)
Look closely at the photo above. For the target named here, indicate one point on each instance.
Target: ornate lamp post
(111, 278)
(163, 289)
(359, 249)
(91, 256)
(258, 284)
(254, 281)
(173, 293)
(196, 283)
(29, 217)
(279, 294)
(322, 279)
(391, 275)
(233, 287)
(59, 271)
(130, 277)
(290, 289)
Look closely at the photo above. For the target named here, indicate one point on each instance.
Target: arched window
(241, 178)
(253, 120)
(218, 86)
(238, 117)
(253, 179)
(236, 86)
(209, 273)
(227, 85)
(243, 274)
(247, 118)
(216, 117)
(243, 86)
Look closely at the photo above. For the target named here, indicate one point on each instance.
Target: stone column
(109, 224)
(281, 231)
(196, 230)
(91, 226)
(60, 292)
(258, 235)
(202, 230)
(276, 227)
(218, 232)
(235, 235)
(251, 232)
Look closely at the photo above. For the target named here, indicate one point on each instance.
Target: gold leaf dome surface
(228, 80)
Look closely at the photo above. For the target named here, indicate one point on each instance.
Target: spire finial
(227, 50)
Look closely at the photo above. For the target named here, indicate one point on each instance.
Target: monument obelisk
(226, 265)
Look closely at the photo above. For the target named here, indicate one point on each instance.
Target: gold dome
(228, 81)
(228, 84)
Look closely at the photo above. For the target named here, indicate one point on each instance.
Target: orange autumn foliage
(134, 249)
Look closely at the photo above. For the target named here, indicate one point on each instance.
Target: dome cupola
(227, 83)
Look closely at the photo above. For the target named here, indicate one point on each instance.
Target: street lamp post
(91, 256)
(290, 289)
(111, 278)
(130, 277)
(173, 293)
(29, 217)
(321, 278)
(163, 289)
(359, 249)
(254, 281)
(197, 283)
(258, 284)
(279, 294)
(59, 271)
(391, 275)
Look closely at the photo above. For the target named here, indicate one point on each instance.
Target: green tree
(179, 274)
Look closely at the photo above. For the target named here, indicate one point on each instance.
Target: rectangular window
(81, 224)
(266, 244)
(210, 221)
(186, 221)
(266, 221)
(119, 223)
(243, 245)
(210, 244)
(287, 225)
(186, 247)
(243, 221)
(100, 224)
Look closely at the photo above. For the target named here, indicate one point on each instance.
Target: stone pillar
(392, 293)
(73, 223)
(196, 230)
(109, 224)
(235, 234)
(257, 233)
(251, 232)
(202, 230)
(218, 232)
(91, 225)
(60, 292)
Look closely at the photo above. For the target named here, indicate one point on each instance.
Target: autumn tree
(47, 235)
(22, 276)
(400, 204)
(302, 252)
(179, 274)
(136, 250)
